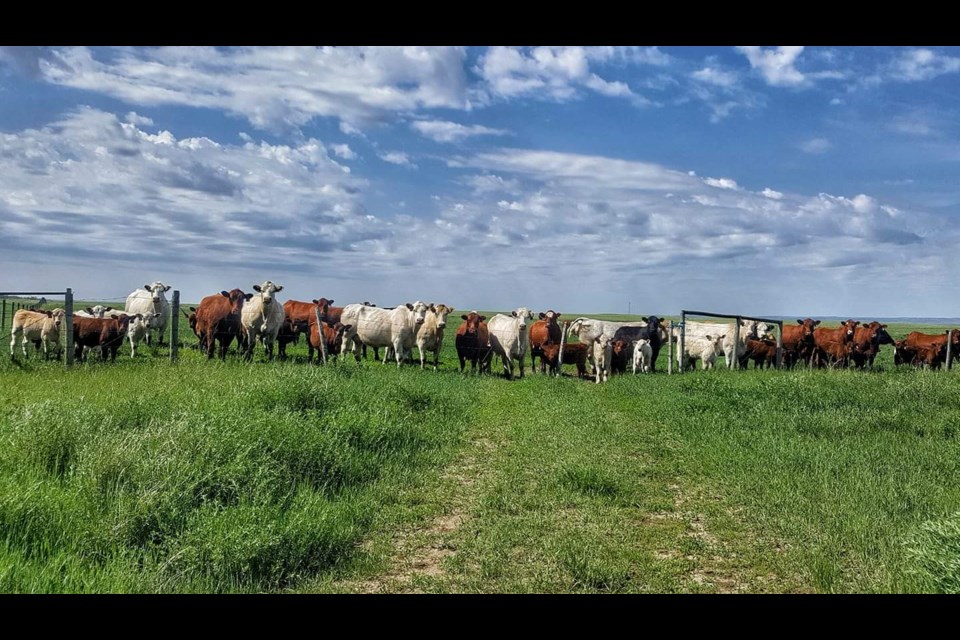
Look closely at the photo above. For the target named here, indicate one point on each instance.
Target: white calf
(602, 356)
(37, 326)
(138, 329)
(642, 355)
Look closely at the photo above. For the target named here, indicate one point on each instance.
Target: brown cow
(867, 340)
(473, 342)
(834, 354)
(573, 352)
(798, 343)
(105, 333)
(543, 331)
(932, 349)
(823, 337)
(622, 355)
(332, 336)
(762, 352)
(218, 318)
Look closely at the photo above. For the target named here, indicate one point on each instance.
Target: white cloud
(770, 193)
(722, 183)
(815, 146)
(922, 64)
(273, 87)
(559, 73)
(776, 65)
(717, 77)
(445, 131)
(397, 157)
(489, 183)
(344, 151)
(135, 118)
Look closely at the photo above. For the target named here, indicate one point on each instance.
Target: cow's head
(442, 311)
(267, 291)
(653, 322)
(472, 322)
(851, 327)
(419, 311)
(323, 306)
(157, 289)
(620, 346)
(806, 332)
(236, 298)
(523, 314)
(550, 316)
(365, 303)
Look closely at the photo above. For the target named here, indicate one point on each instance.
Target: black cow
(650, 332)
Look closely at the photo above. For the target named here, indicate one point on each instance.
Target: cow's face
(157, 289)
(267, 291)
(653, 322)
(419, 311)
(472, 321)
(807, 326)
(236, 298)
(851, 327)
(323, 306)
(524, 315)
(550, 316)
(442, 311)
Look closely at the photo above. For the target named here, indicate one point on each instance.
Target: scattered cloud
(344, 151)
(717, 77)
(915, 65)
(776, 64)
(815, 146)
(398, 158)
(445, 131)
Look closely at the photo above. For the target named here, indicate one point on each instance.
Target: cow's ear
(409, 306)
(556, 315)
(49, 313)
(482, 318)
(346, 327)
(247, 296)
(542, 315)
(193, 308)
(708, 337)
(225, 294)
(816, 322)
(147, 287)
(883, 326)
(513, 313)
(463, 316)
(89, 310)
(799, 321)
(109, 309)
(257, 288)
(329, 301)
(280, 288)
(167, 288)
(644, 318)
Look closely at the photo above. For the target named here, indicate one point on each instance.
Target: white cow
(37, 326)
(430, 332)
(138, 329)
(642, 356)
(97, 311)
(376, 327)
(150, 299)
(602, 356)
(699, 330)
(707, 348)
(261, 317)
(509, 338)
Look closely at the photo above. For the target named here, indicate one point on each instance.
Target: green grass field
(147, 476)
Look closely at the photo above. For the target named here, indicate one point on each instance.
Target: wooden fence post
(68, 309)
(736, 343)
(780, 345)
(3, 313)
(682, 354)
(949, 355)
(670, 350)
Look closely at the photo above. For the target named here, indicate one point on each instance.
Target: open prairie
(147, 476)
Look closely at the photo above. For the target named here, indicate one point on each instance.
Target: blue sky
(760, 180)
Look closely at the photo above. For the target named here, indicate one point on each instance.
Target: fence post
(780, 345)
(736, 342)
(670, 350)
(68, 309)
(949, 355)
(3, 313)
(175, 326)
(682, 357)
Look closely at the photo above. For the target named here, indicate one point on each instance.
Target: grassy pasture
(146, 476)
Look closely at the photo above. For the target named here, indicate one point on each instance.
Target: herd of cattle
(609, 347)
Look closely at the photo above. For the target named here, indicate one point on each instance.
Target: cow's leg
(397, 350)
(436, 358)
(13, 340)
(521, 360)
